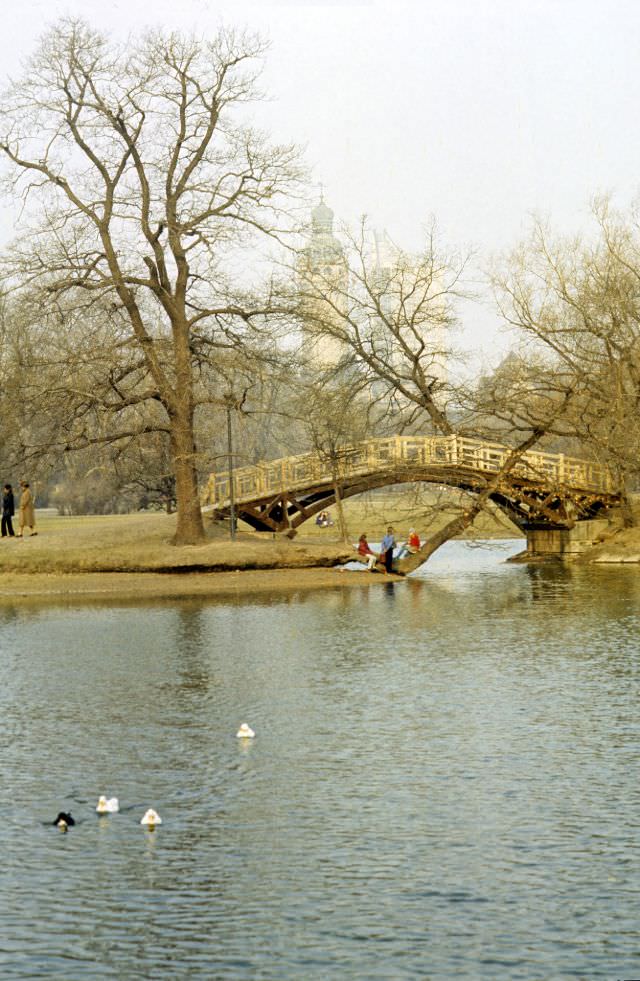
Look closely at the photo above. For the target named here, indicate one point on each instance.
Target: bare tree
(143, 188)
(575, 304)
(334, 414)
(393, 317)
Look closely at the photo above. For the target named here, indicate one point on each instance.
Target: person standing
(386, 549)
(8, 511)
(26, 512)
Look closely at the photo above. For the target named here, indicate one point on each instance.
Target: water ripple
(443, 782)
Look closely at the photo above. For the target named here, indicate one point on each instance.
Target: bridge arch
(540, 489)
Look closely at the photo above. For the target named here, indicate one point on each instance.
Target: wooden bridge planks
(407, 455)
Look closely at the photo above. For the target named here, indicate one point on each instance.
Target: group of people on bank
(387, 546)
(324, 520)
(26, 511)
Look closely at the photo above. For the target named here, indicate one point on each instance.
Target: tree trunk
(189, 528)
(450, 530)
(342, 524)
(468, 516)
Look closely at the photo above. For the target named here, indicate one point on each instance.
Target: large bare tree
(394, 318)
(143, 189)
(575, 303)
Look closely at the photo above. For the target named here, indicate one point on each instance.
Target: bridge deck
(405, 453)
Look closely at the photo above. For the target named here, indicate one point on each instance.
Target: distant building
(323, 267)
(400, 287)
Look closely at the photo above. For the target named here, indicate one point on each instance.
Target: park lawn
(373, 513)
(142, 542)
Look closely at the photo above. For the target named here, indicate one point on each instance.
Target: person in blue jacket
(386, 550)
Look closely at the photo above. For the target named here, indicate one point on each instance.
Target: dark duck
(64, 820)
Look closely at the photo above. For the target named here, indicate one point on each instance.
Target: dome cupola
(322, 219)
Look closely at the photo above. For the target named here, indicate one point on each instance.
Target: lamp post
(232, 501)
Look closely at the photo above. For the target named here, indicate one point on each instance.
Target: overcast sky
(476, 111)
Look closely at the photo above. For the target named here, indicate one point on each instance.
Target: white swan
(107, 806)
(151, 818)
(245, 732)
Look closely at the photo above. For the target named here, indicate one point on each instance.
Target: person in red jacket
(411, 546)
(366, 552)
(413, 541)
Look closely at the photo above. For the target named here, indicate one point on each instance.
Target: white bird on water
(107, 805)
(151, 818)
(245, 732)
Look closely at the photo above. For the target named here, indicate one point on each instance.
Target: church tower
(324, 271)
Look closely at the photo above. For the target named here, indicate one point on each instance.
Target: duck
(64, 820)
(151, 818)
(245, 732)
(107, 805)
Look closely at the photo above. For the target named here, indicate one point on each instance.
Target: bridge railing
(405, 452)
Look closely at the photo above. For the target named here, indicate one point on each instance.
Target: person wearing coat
(8, 511)
(367, 553)
(26, 513)
(387, 546)
(411, 546)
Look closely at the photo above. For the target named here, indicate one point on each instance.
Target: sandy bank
(128, 587)
(619, 547)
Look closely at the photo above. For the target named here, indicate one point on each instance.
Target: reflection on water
(443, 782)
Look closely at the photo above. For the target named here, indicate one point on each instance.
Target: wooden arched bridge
(544, 490)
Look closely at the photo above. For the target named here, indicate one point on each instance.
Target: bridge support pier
(564, 542)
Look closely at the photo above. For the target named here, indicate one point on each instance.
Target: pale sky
(476, 111)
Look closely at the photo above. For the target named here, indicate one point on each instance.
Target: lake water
(443, 784)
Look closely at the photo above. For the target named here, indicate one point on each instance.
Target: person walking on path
(26, 513)
(386, 550)
(8, 511)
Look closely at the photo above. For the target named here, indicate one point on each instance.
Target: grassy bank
(126, 558)
(137, 543)
(142, 543)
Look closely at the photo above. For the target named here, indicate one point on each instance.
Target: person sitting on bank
(323, 520)
(386, 549)
(411, 546)
(26, 511)
(8, 511)
(366, 552)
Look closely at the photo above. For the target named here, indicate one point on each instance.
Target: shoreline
(135, 587)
